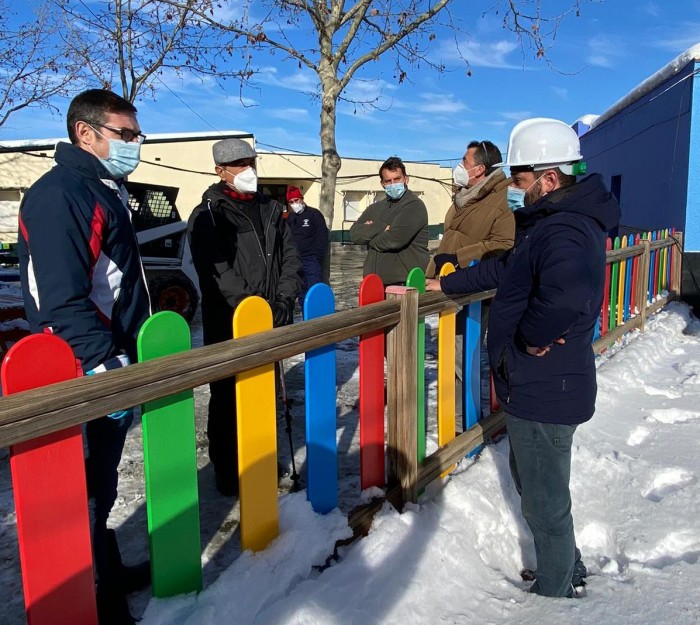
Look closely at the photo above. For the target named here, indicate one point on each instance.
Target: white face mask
(246, 181)
(297, 207)
(460, 175)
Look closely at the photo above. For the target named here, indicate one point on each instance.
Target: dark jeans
(312, 275)
(540, 463)
(104, 440)
(221, 427)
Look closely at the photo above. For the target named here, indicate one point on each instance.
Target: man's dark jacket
(79, 261)
(550, 286)
(310, 232)
(229, 258)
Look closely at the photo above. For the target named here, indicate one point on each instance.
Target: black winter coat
(230, 261)
(550, 286)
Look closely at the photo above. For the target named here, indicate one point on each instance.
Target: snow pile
(455, 557)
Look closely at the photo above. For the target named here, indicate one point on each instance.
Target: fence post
(677, 251)
(643, 283)
(402, 400)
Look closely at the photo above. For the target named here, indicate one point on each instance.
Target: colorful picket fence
(640, 268)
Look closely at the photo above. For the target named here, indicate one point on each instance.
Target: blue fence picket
(320, 396)
(471, 372)
(471, 367)
(652, 260)
(626, 312)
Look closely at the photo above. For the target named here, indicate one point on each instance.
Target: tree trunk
(330, 162)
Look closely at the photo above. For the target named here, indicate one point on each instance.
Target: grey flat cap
(230, 150)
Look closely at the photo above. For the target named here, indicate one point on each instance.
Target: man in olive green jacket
(479, 223)
(395, 229)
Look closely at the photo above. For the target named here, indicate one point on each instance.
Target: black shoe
(226, 484)
(112, 607)
(129, 578)
(577, 582)
(580, 571)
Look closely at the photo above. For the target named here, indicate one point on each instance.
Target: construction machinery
(165, 251)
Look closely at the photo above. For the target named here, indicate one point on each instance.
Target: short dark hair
(565, 180)
(392, 164)
(94, 105)
(486, 154)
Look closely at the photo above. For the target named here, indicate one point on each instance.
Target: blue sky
(598, 57)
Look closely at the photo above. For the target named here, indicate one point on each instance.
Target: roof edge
(647, 86)
(26, 145)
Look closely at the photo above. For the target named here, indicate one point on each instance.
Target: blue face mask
(515, 198)
(395, 191)
(123, 158)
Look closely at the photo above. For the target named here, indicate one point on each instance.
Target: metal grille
(152, 205)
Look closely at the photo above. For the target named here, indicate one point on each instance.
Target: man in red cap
(310, 235)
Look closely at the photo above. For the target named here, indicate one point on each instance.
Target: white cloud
(604, 51)
(650, 8)
(369, 91)
(291, 114)
(561, 92)
(439, 103)
(485, 54)
(516, 116)
(303, 81)
(678, 38)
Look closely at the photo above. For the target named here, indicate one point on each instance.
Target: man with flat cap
(241, 246)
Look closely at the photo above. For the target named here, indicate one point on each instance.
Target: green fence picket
(170, 463)
(416, 280)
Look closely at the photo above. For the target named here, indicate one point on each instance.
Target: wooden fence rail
(643, 274)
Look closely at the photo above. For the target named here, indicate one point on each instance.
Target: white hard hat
(543, 143)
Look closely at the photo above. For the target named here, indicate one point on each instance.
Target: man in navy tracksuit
(550, 292)
(310, 236)
(82, 280)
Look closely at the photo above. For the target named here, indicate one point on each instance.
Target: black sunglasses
(125, 134)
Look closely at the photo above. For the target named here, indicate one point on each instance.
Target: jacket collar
(465, 197)
(81, 161)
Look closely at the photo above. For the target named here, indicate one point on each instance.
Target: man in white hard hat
(550, 293)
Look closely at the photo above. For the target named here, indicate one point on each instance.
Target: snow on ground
(454, 558)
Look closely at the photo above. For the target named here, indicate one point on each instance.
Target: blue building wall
(692, 220)
(643, 150)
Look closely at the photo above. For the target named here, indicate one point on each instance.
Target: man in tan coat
(479, 223)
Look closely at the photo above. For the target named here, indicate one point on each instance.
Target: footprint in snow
(668, 481)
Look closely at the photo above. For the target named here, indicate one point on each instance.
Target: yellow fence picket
(257, 434)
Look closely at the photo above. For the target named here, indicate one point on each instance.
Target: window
(353, 205)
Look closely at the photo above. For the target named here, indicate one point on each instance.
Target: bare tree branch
(32, 70)
(135, 40)
(336, 38)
